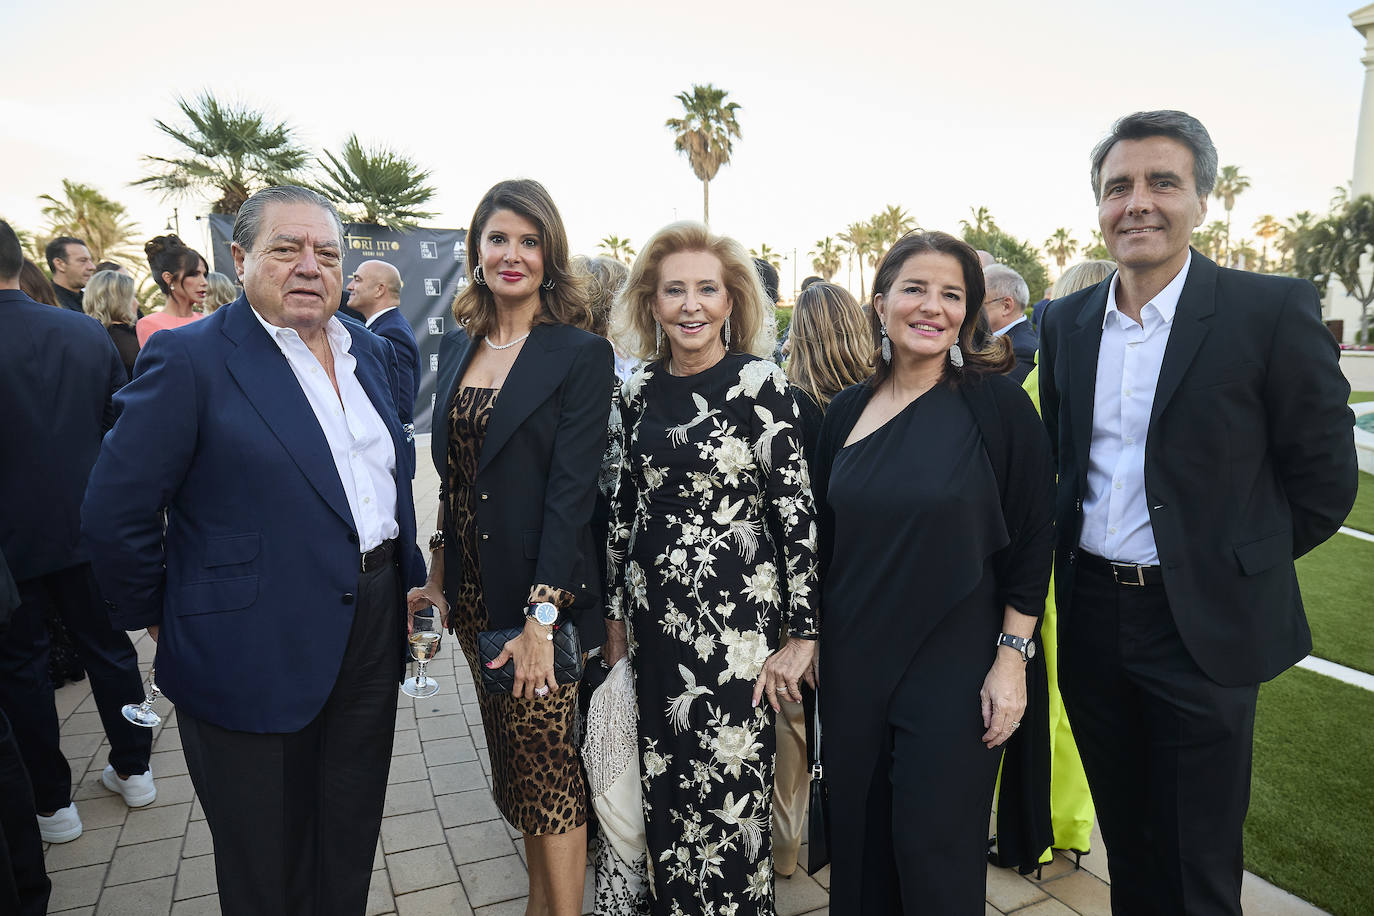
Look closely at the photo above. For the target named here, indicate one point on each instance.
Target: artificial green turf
(1311, 823)
(1336, 591)
(1362, 516)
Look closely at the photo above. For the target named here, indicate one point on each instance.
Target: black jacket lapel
(1084, 342)
(1192, 321)
(538, 370)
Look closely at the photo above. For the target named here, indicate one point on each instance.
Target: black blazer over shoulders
(537, 473)
(1249, 458)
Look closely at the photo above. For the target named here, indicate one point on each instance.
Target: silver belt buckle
(1134, 567)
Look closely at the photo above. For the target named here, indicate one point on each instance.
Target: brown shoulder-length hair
(475, 307)
(994, 357)
(753, 326)
(829, 342)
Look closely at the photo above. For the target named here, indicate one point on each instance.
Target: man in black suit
(1204, 443)
(1005, 308)
(58, 372)
(71, 265)
(375, 293)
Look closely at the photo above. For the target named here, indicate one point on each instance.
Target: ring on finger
(542, 690)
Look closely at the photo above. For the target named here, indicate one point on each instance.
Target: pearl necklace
(505, 346)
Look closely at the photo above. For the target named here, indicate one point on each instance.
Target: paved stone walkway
(443, 849)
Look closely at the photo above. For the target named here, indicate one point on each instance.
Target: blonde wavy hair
(1081, 276)
(831, 347)
(109, 298)
(753, 326)
(605, 276)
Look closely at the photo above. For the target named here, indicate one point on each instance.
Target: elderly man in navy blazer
(268, 433)
(58, 375)
(375, 292)
(1204, 443)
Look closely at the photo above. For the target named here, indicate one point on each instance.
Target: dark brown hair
(475, 307)
(994, 357)
(169, 253)
(36, 284)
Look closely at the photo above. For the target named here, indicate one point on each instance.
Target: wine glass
(142, 713)
(425, 633)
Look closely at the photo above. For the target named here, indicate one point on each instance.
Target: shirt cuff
(558, 597)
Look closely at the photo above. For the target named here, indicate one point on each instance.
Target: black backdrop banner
(433, 266)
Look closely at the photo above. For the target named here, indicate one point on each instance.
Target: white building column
(1338, 303)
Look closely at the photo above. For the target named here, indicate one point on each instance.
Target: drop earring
(956, 357)
(886, 344)
(658, 338)
(727, 332)
(548, 283)
(477, 276)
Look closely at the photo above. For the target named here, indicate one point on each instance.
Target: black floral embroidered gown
(709, 460)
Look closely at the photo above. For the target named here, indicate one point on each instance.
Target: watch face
(545, 613)
(1030, 648)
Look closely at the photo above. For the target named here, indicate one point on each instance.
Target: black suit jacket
(396, 328)
(537, 473)
(1249, 458)
(59, 371)
(1024, 342)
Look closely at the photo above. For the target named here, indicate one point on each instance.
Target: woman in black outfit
(524, 394)
(109, 299)
(936, 494)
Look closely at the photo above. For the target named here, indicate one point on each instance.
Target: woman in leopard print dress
(520, 416)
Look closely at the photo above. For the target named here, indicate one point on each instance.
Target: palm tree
(863, 244)
(376, 185)
(1291, 234)
(231, 151)
(89, 215)
(705, 134)
(1061, 246)
(765, 253)
(890, 224)
(1210, 239)
(618, 248)
(1097, 250)
(1230, 182)
(1266, 227)
(982, 220)
(825, 258)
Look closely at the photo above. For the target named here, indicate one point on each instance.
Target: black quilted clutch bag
(567, 657)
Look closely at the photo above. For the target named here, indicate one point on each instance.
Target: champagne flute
(142, 713)
(425, 634)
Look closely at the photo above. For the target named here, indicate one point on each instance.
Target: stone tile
(198, 906)
(1058, 866)
(143, 898)
(798, 894)
(494, 880)
(1260, 898)
(1084, 893)
(433, 727)
(1096, 860)
(406, 743)
(823, 911)
(456, 777)
(443, 751)
(76, 747)
(68, 697)
(417, 869)
(76, 887)
(197, 812)
(196, 878)
(83, 723)
(173, 790)
(484, 761)
(514, 907)
(448, 900)
(168, 740)
(990, 910)
(93, 847)
(407, 768)
(379, 895)
(479, 735)
(440, 704)
(145, 861)
(411, 831)
(155, 823)
(482, 840)
(473, 713)
(405, 720)
(405, 797)
(198, 840)
(1007, 890)
(1046, 908)
(522, 852)
(79, 911)
(466, 808)
(90, 787)
(168, 763)
(467, 693)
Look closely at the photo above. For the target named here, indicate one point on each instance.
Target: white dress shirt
(1116, 518)
(368, 323)
(364, 455)
(1005, 328)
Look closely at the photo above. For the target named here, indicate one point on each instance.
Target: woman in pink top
(180, 272)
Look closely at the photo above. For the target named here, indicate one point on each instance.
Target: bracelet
(436, 541)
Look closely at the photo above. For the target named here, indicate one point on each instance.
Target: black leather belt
(378, 556)
(1132, 574)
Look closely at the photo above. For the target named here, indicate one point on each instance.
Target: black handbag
(567, 657)
(818, 805)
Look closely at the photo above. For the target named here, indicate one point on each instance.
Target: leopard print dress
(536, 771)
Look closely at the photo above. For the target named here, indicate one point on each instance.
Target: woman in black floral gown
(712, 461)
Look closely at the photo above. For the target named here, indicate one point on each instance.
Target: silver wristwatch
(1022, 644)
(544, 613)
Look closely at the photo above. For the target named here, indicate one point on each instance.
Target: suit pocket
(531, 542)
(215, 595)
(1266, 553)
(231, 549)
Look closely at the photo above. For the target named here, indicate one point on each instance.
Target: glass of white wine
(425, 634)
(142, 713)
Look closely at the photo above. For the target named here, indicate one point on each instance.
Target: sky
(845, 108)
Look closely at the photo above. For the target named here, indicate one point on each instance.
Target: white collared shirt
(1002, 330)
(1116, 517)
(368, 323)
(364, 455)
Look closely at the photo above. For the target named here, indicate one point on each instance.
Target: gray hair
(249, 221)
(1176, 125)
(1002, 281)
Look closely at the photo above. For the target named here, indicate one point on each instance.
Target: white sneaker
(62, 826)
(136, 790)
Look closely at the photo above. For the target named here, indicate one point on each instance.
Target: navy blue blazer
(57, 381)
(396, 328)
(536, 474)
(253, 584)
(1024, 342)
